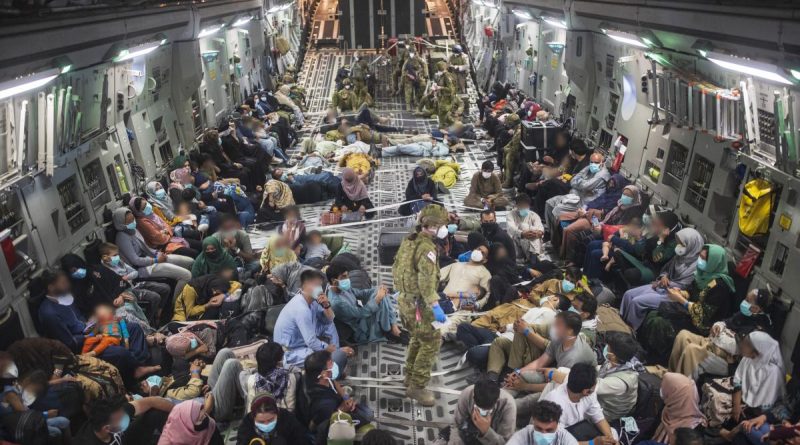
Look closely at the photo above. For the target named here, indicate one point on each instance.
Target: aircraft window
(676, 165)
(579, 46)
(699, 182)
(96, 183)
(779, 263)
(628, 96)
(73, 209)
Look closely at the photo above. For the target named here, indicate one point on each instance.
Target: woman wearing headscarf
(597, 208)
(283, 96)
(201, 298)
(157, 233)
(189, 424)
(352, 194)
(505, 273)
(266, 423)
(148, 262)
(758, 383)
(677, 273)
(277, 196)
(645, 262)
(681, 407)
(213, 259)
(420, 187)
(211, 146)
(694, 354)
(276, 253)
(271, 377)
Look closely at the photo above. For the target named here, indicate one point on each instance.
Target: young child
(18, 397)
(316, 250)
(104, 330)
(149, 293)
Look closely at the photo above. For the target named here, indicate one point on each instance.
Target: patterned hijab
(278, 194)
(138, 214)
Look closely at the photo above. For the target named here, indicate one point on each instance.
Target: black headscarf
(100, 285)
(205, 286)
(504, 267)
(420, 184)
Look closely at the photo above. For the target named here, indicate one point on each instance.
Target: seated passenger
(506, 273)
(213, 259)
(293, 228)
(559, 184)
(115, 420)
(694, 354)
(599, 258)
(368, 312)
(276, 253)
(21, 394)
(494, 234)
(545, 427)
(157, 233)
(202, 297)
(578, 397)
(587, 185)
(644, 264)
(282, 95)
(267, 423)
(237, 242)
(352, 195)
(707, 299)
(165, 209)
(681, 407)
(484, 414)
(277, 196)
(188, 423)
(677, 273)
(305, 325)
(272, 378)
(420, 189)
(485, 190)
(460, 279)
(525, 228)
(317, 252)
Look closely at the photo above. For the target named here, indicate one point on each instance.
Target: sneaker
(424, 396)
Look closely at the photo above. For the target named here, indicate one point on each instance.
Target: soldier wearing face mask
(346, 99)
(416, 277)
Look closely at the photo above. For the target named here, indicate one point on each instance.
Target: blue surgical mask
(161, 193)
(625, 200)
(483, 412)
(701, 264)
(335, 371)
(543, 438)
(192, 344)
(744, 307)
(188, 186)
(344, 284)
(124, 423)
(567, 286)
(452, 228)
(284, 177)
(572, 309)
(317, 290)
(148, 209)
(594, 168)
(79, 273)
(646, 220)
(266, 428)
(154, 381)
(115, 260)
(605, 351)
(543, 301)
(220, 141)
(351, 138)
(131, 226)
(524, 212)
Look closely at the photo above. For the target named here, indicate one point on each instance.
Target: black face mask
(202, 425)
(213, 254)
(489, 226)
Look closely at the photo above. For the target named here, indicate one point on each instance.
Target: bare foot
(142, 371)
(91, 354)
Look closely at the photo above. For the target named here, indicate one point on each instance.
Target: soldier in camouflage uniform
(427, 104)
(359, 74)
(345, 99)
(414, 79)
(416, 277)
(445, 94)
(397, 65)
(460, 65)
(512, 150)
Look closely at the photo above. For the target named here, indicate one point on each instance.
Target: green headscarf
(205, 264)
(716, 268)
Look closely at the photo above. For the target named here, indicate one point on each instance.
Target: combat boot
(422, 395)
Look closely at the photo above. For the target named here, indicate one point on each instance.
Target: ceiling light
(242, 21)
(209, 31)
(556, 47)
(136, 51)
(27, 83)
(796, 74)
(558, 23)
(750, 67)
(625, 37)
(525, 15)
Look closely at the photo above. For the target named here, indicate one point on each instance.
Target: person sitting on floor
(421, 190)
(545, 427)
(484, 414)
(486, 190)
(525, 228)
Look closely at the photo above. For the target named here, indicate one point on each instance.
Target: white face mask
(476, 256)
(552, 333)
(486, 175)
(680, 250)
(65, 300)
(11, 372)
(28, 398)
(442, 232)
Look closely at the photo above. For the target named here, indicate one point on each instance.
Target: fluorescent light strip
(750, 67)
(626, 38)
(27, 83)
(209, 31)
(796, 74)
(242, 21)
(555, 22)
(525, 15)
(136, 51)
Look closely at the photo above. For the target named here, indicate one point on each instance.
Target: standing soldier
(345, 99)
(512, 150)
(445, 94)
(416, 276)
(413, 76)
(397, 64)
(359, 74)
(460, 65)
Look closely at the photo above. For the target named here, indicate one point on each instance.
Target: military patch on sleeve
(431, 256)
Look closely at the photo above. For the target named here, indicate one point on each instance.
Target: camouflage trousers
(423, 347)
(444, 110)
(511, 158)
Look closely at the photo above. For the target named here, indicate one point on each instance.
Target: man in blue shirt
(305, 325)
(369, 312)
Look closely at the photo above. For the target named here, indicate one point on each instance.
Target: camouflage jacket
(416, 268)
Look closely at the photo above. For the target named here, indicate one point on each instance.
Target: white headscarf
(680, 269)
(761, 378)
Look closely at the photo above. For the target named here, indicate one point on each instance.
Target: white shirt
(537, 315)
(587, 408)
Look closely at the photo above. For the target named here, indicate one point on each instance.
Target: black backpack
(648, 404)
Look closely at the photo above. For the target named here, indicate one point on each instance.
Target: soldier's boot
(422, 395)
(407, 381)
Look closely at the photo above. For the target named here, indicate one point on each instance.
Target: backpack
(26, 427)
(756, 207)
(647, 411)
